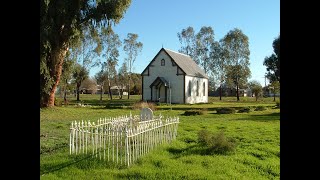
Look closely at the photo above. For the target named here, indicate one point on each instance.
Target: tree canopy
(61, 23)
(256, 88)
(236, 48)
(273, 62)
(132, 48)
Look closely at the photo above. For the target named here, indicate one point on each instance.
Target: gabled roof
(184, 62)
(188, 65)
(159, 80)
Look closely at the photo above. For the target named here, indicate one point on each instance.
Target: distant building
(115, 90)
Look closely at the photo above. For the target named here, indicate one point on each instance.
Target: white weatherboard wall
(169, 72)
(194, 98)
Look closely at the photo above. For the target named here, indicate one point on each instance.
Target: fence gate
(122, 139)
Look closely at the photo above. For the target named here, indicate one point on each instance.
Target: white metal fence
(123, 139)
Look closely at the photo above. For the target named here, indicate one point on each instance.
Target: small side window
(162, 62)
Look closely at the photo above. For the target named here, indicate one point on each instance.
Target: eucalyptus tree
(132, 48)
(275, 88)
(122, 78)
(236, 47)
(187, 40)
(273, 62)
(255, 88)
(79, 75)
(111, 43)
(204, 40)
(62, 21)
(101, 77)
(218, 64)
(66, 75)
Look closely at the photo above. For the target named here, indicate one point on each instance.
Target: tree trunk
(237, 92)
(109, 87)
(65, 93)
(129, 86)
(78, 91)
(256, 97)
(54, 63)
(121, 92)
(274, 96)
(220, 91)
(101, 92)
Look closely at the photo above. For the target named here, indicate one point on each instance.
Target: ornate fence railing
(122, 139)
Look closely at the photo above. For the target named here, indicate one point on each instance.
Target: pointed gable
(184, 63)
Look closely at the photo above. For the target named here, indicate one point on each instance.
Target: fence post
(71, 131)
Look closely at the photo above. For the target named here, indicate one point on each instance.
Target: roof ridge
(176, 52)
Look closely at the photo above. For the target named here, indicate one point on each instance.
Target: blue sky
(158, 22)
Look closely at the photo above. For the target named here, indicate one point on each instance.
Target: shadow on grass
(264, 117)
(49, 168)
(192, 150)
(80, 162)
(97, 102)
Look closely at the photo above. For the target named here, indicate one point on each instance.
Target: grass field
(257, 154)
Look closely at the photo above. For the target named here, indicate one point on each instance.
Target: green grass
(257, 154)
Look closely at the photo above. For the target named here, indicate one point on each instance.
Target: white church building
(174, 77)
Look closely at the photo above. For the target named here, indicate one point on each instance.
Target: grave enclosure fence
(121, 140)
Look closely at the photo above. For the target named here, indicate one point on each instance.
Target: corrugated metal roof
(188, 65)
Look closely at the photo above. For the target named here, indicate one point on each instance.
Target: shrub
(221, 144)
(244, 109)
(141, 104)
(226, 110)
(278, 104)
(195, 112)
(218, 143)
(204, 137)
(57, 102)
(260, 108)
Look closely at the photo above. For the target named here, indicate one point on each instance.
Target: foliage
(216, 144)
(195, 112)
(62, 24)
(101, 78)
(218, 64)
(260, 108)
(256, 88)
(122, 78)
(110, 42)
(226, 110)
(273, 62)
(132, 48)
(275, 88)
(236, 47)
(79, 75)
(57, 102)
(89, 84)
(244, 109)
(188, 42)
(204, 40)
(278, 104)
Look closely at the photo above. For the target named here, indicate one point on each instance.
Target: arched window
(162, 62)
(204, 89)
(189, 88)
(197, 88)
